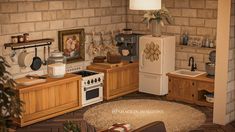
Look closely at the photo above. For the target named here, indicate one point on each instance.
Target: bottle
(211, 44)
(207, 43)
(185, 38)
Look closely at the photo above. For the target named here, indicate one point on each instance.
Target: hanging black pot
(37, 62)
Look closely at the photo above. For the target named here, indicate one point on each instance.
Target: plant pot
(156, 28)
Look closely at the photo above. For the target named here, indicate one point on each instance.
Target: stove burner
(85, 73)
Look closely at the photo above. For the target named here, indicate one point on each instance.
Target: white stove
(91, 85)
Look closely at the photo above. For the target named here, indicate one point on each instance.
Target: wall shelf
(195, 47)
(29, 44)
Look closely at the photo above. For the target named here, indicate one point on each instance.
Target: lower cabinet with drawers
(190, 89)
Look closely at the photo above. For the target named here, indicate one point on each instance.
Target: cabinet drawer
(205, 86)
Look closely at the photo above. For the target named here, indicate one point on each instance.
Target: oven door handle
(92, 87)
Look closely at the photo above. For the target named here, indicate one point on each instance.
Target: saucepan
(25, 59)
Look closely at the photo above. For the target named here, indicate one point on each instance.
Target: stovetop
(85, 73)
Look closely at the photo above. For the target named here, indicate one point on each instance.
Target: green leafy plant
(10, 103)
(161, 16)
(70, 126)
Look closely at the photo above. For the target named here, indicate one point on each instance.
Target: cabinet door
(45, 101)
(183, 89)
(170, 88)
(123, 80)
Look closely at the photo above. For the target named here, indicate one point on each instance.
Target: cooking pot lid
(212, 56)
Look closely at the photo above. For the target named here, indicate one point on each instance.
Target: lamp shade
(145, 4)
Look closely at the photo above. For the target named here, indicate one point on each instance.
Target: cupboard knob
(193, 83)
(169, 91)
(169, 80)
(192, 95)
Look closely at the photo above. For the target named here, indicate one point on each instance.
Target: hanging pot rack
(29, 44)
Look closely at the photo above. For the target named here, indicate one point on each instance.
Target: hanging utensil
(37, 62)
(44, 56)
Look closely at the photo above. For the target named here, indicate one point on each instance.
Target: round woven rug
(139, 112)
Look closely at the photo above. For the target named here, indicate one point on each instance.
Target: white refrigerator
(157, 57)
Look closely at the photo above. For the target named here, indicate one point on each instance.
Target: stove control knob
(88, 82)
(95, 80)
(92, 81)
(99, 79)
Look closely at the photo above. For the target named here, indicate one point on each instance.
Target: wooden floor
(56, 124)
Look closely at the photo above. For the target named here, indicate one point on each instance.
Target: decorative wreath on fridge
(152, 51)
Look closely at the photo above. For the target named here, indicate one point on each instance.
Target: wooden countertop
(125, 63)
(198, 78)
(50, 81)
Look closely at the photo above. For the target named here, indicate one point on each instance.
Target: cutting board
(108, 65)
(28, 82)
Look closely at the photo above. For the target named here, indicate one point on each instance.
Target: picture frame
(72, 44)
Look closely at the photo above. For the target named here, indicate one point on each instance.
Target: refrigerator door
(150, 83)
(151, 55)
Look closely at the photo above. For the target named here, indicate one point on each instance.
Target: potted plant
(70, 126)
(10, 103)
(157, 18)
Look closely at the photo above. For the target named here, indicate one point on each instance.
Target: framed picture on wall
(72, 44)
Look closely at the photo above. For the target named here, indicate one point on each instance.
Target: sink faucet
(193, 65)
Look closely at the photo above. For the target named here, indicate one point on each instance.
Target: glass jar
(56, 67)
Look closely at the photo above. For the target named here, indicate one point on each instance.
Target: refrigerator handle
(142, 60)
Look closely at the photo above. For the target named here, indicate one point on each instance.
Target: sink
(188, 73)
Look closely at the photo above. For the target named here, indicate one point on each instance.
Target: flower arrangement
(10, 103)
(160, 16)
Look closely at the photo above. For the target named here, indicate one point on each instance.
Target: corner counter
(54, 97)
(190, 89)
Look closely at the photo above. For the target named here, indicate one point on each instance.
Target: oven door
(92, 95)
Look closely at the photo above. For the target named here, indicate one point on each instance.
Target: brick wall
(230, 112)
(197, 17)
(43, 19)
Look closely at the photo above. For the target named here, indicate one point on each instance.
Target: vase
(156, 28)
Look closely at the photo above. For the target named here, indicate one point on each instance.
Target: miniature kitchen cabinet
(190, 89)
(50, 99)
(119, 80)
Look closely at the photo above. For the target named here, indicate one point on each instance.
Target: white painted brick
(70, 23)
(82, 22)
(106, 20)
(63, 14)
(205, 13)
(10, 28)
(116, 2)
(18, 17)
(88, 12)
(41, 6)
(82, 4)
(49, 15)
(105, 3)
(25, 6)
(76, 13)
(211, 23)
(55, 5)
(26, 27)
(95, 21)
(189, 12)
(69, 4)
(8, 7)
(34, 16)
(56, 24)
(40, 26)
(182, 3)
(197, 3)
(197, 22)
(212, 4)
